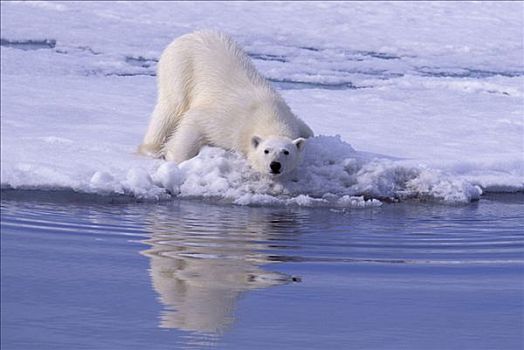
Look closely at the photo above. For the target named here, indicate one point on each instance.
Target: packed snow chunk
(215, 173)
(140, 184)
(432, 184)
(103, 182)
(169, 176)
(358, 202)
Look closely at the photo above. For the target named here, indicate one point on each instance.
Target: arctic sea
(80, 273)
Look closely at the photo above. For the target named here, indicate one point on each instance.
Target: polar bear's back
(209, 64)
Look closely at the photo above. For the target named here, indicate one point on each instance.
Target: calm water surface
(80, 274)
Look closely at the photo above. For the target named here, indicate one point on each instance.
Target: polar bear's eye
(286, 152)
(266, 151)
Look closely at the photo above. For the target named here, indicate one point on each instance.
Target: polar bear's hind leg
(174, 96)
(161, 125)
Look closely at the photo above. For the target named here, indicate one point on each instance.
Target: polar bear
(209, 93)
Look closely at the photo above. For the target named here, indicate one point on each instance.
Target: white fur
(209, 93)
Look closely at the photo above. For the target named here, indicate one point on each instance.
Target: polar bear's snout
(275, 167)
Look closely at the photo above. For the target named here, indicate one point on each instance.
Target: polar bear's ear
(300, 142)
(255, 141)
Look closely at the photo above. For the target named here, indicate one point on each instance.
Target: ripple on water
(486, 233)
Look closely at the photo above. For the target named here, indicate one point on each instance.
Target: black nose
(275, 167)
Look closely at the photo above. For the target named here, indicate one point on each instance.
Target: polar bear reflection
(199, 275)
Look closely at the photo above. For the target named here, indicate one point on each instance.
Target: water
(81, 273)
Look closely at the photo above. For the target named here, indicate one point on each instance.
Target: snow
(410, 100)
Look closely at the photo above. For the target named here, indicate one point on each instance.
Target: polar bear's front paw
(150, 150)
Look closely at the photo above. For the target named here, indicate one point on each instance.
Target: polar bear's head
(275, 155)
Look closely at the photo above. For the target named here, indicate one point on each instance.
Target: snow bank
(332, 175)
